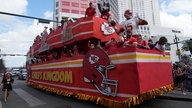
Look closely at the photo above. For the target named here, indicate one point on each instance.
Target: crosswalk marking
(31, 100)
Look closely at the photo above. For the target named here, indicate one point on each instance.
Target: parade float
(117, 78)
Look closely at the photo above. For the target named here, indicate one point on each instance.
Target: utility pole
(176, 41)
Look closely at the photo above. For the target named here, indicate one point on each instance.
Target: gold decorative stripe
(116, 58)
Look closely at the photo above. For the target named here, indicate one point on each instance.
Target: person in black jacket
(7, 84)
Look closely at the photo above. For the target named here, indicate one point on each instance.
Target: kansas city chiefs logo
(93, 59)
(107, 30)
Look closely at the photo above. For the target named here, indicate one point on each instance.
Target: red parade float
(117, 78)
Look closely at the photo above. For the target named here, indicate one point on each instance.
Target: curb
(174, 98)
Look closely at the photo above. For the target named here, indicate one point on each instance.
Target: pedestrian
(179, 78)
(7, 84)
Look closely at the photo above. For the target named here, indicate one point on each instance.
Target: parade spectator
(160, 45)
(189, 79)
(179, 78)
(90, 11)
(7, 85)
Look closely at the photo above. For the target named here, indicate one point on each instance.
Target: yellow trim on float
(115, 58)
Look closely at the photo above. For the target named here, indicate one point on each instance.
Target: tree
(187, 46)
(2, 66)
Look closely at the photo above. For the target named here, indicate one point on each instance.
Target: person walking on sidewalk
(179, 78)
(7, 85)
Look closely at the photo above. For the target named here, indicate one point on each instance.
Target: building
(64, 9)
(146, 9)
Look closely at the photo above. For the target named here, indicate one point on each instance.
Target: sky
(17, 34)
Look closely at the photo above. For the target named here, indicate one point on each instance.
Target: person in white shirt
(160, 45)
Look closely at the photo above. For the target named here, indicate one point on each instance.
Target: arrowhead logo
(93, 59)
(107, 30)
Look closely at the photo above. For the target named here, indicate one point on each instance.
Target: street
(24, 96)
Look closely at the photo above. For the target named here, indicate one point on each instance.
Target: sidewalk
(177, 95)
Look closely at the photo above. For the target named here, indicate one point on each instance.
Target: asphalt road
(24, 96)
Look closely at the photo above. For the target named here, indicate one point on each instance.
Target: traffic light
(178, 52)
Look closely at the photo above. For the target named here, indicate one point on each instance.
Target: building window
(82, 12)
(56, 11)
(75, 4)
(65, 3)
(84, 0)
(84, 6)
(75, 11)
(57, 4)
(93, 1)
(66, 10)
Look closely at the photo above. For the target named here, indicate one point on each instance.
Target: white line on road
(31, 100)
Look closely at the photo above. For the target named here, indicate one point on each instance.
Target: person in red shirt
(64, 52)
(90, 11)
(112, 44)
(130, 42)
(142, 43)
(75, 51)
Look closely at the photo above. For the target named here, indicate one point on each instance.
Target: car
(16, 72)
(13, 74)
(23, 74)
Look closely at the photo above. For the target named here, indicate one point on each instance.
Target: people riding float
(104, 9)
(130, 26)
(160, 45)
(141, 43)
(90, 11)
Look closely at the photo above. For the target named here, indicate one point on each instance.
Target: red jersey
(105, 16)
(90, 12)
(112, 46)
(131, 40)
(143, 42)
(76, 53)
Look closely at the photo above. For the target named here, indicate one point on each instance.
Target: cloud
(176, 6)
(177, 14)
(48, 15)
(18, 41)
(14, 6)
(16, 34)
